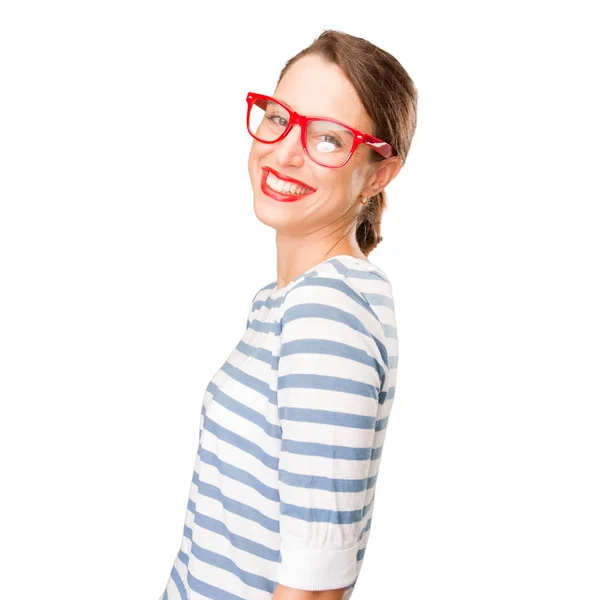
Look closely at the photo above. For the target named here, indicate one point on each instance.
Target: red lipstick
(278, 195)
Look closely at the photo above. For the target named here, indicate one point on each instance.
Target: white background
(130, 252)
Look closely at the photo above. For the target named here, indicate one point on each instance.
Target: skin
(322, 225)
(286, 593)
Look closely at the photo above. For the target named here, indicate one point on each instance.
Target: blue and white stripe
(291, 436)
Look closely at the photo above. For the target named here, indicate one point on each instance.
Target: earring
(364, 200)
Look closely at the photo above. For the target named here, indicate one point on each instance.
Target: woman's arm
(331, 369)
(283, 592)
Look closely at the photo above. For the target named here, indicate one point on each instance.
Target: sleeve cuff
(313, 568)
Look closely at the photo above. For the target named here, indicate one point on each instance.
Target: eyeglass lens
(327, 142)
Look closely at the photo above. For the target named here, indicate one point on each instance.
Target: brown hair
(389, 97)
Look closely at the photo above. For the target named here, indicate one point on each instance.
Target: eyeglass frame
(383, 148)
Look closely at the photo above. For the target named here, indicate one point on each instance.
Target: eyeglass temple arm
(382, 147)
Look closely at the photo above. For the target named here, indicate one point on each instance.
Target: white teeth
(285, 187)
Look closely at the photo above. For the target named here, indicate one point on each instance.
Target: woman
(293, 423)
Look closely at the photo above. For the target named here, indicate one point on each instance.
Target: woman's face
(313, 87)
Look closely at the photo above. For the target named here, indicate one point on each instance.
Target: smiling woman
(293, 423)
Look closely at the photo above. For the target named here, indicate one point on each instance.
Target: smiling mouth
(289, 187)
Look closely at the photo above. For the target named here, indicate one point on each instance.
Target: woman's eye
(333, 140)
(277, 120)
(328, 143)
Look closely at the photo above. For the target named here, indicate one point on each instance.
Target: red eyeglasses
(326, 141)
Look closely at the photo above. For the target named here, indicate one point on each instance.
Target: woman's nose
(289, 149)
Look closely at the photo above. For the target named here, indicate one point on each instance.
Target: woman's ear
(384, 172)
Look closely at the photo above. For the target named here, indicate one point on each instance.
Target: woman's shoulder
(347, 286)
(344, 283)
(359, 279)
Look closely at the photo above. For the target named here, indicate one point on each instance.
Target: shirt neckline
(276, 292)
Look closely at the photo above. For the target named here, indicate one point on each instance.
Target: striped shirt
(291, 433)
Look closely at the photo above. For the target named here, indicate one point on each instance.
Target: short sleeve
(331, 371)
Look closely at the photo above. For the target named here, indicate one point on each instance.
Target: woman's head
(350, 80)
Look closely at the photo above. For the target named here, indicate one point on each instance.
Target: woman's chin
(270, 212)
